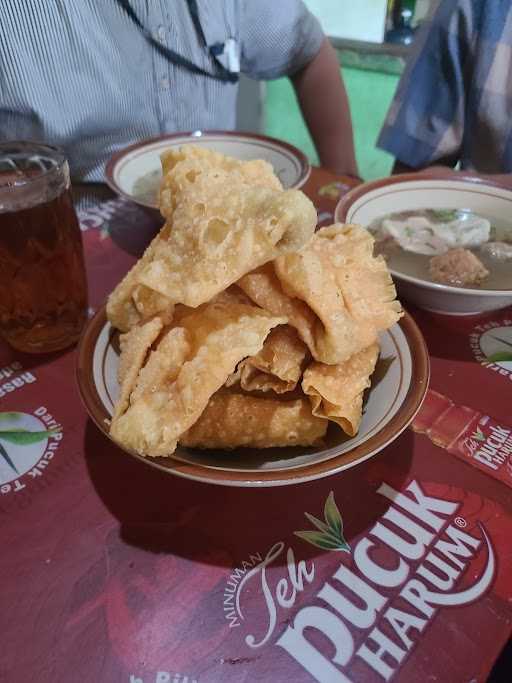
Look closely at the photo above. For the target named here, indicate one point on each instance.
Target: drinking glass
(43, 288)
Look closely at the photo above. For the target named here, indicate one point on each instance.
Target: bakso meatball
(459, 267)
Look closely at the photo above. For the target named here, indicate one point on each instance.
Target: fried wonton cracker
(181, 167)
(263, 287)
(191, 362)
(233, 420)
(131, 302)
(134, 349)
(222, 231)
(233, 295)
(218, 234)
(336, 391)
(349, 290)
(278, 366)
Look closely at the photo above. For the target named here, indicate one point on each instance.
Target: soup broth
(407, 262)
(146, 188)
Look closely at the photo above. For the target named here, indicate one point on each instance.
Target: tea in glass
(43, 289)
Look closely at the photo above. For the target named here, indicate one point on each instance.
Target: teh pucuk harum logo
(328, 537)
(23, 442)
(373, 608)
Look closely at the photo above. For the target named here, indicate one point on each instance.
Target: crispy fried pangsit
(134, 349)
(336, 391)
(219, 233)
(181, 167)
(130, 302)
(263, 287)
(233, 420)
(278, 366)
(349, 290)
(191, 362)
(228, 304)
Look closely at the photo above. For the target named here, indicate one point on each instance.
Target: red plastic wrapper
(468, 434)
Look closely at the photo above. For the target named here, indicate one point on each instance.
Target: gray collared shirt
(80, 73)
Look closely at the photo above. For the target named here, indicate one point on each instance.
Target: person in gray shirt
(93, 77)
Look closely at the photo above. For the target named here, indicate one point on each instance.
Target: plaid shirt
(455, 97)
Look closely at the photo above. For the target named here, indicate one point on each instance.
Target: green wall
(370, 94)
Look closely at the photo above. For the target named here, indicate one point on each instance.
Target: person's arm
(324, 104)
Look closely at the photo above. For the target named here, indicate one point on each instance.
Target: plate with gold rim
(398, 388)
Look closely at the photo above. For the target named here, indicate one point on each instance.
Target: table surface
(112, 571)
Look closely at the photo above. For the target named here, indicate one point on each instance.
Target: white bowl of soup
(447, 239)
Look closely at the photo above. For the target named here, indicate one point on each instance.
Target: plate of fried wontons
(245, 347)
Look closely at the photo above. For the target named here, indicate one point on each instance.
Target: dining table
(114, 571)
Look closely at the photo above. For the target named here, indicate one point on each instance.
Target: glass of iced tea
(43, 289)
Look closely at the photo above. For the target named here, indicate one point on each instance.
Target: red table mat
(112, 571)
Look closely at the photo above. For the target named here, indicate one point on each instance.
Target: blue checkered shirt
(81, 74)
(455, 97)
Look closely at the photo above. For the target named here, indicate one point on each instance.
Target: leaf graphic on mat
(7, 459)
(500, 356)
(320, 540)
(330, 536)
(317, 522)
(325, 531)
(478, 435)
(10, 416)
(22, 437)
(332, 515)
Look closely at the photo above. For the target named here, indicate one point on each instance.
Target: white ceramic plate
(135, 172)
(398, 388)
(370, 201)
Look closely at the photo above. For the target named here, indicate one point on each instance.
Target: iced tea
(43, 291)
